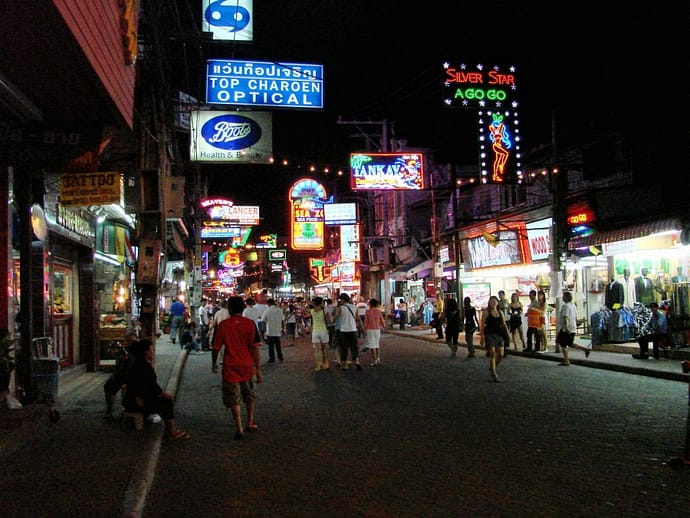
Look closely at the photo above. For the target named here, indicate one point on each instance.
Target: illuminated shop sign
(224, 210)
(349, 243)
(387, 171)
(220, 232)
(217, 137)
(230, 21)
(264, 83)
(84, 189)
(277, 255)
(479, 85)
(499, 146)
(318, 269)
(267, 241)
(539, 238)
(340, 213)
(505, 252)
(307, 198)
(581, 219)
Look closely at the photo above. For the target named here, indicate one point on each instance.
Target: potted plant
(7, 360)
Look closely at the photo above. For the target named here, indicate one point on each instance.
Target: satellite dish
(38, 222)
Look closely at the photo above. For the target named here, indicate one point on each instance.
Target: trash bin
(46, 370)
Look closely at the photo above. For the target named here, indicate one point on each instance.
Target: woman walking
(471, 325)
(515, 323)
(374, 325)
(493, 331)
(453, 324)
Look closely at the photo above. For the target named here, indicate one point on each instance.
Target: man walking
(240, 341)
(177, 313)
(275, 323)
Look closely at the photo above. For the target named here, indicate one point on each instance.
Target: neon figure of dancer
(500, 144)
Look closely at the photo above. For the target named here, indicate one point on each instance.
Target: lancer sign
(245, 137)
(264, 83)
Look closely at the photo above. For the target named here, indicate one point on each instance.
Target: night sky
(589, 71)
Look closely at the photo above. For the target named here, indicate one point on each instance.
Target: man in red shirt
(240, 339)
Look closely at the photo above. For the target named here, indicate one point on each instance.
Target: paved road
(427, 435)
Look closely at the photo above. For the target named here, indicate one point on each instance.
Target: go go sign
(479, 86)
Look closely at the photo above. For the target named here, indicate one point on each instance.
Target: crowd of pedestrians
(234, 329)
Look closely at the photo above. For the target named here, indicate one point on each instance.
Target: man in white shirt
(361, 312)
(252, 312)
(349, 323)
(329, 310)
(262, 306)
(275, 322)
(218, 317)
(204, 320)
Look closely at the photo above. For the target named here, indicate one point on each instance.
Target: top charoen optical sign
(263, 83)
(479, 86)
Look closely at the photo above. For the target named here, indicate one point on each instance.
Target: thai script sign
(264, 83)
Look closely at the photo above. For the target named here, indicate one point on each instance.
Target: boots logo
(231, 132)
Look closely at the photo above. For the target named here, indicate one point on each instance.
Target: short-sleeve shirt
(239, 336)
(569, 311)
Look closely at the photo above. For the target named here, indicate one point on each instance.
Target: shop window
(62, 290)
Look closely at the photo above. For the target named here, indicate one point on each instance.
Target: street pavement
(423, 434)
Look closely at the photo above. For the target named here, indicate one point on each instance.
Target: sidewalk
(602, 357)
(91, 460)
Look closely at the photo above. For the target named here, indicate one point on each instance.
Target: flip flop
(251, 428)
(179, 435)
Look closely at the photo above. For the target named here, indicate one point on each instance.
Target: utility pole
(457, 251)
(384, 196)
(558, 184)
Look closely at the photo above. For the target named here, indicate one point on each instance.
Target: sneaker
(587, 352)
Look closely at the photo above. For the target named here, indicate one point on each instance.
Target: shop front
(116, 303)
(515, 257)
(622, 271)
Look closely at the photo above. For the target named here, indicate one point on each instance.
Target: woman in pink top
(373, 325)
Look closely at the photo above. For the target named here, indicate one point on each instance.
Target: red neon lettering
(496, 78)
(463, 77)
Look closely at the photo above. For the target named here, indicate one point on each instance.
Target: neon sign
(480, 87)
(387, 171)
(499, 147)
(307, 198)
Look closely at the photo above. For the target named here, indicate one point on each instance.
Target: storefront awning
(408, 271)
(631, 232)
